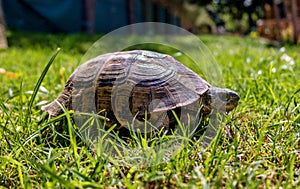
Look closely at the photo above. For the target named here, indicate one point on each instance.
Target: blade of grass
(290, 100)
(39, 82)
(53, 174)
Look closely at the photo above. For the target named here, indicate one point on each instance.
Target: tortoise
(139, 85)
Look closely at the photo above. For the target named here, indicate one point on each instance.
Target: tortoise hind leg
(55, 107)
(63, 100)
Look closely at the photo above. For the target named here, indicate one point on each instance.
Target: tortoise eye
(232, 96)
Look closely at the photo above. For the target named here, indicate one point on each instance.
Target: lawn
(258, 145)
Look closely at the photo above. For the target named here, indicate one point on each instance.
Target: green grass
(258, 146)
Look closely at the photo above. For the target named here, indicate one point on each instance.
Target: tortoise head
(220, 99)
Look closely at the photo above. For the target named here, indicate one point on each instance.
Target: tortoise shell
(131, 85)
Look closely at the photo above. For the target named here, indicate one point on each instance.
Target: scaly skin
(221, 99)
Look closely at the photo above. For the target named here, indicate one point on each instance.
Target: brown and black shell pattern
(131, 85)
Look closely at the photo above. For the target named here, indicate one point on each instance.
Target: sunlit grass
(257, 146)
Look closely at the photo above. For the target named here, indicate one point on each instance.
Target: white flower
(259, 72)
(273, 70)
(248, 59)
(2, 70)
(284, 67)
(289, 60)
(286, 58)
(282, 49)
